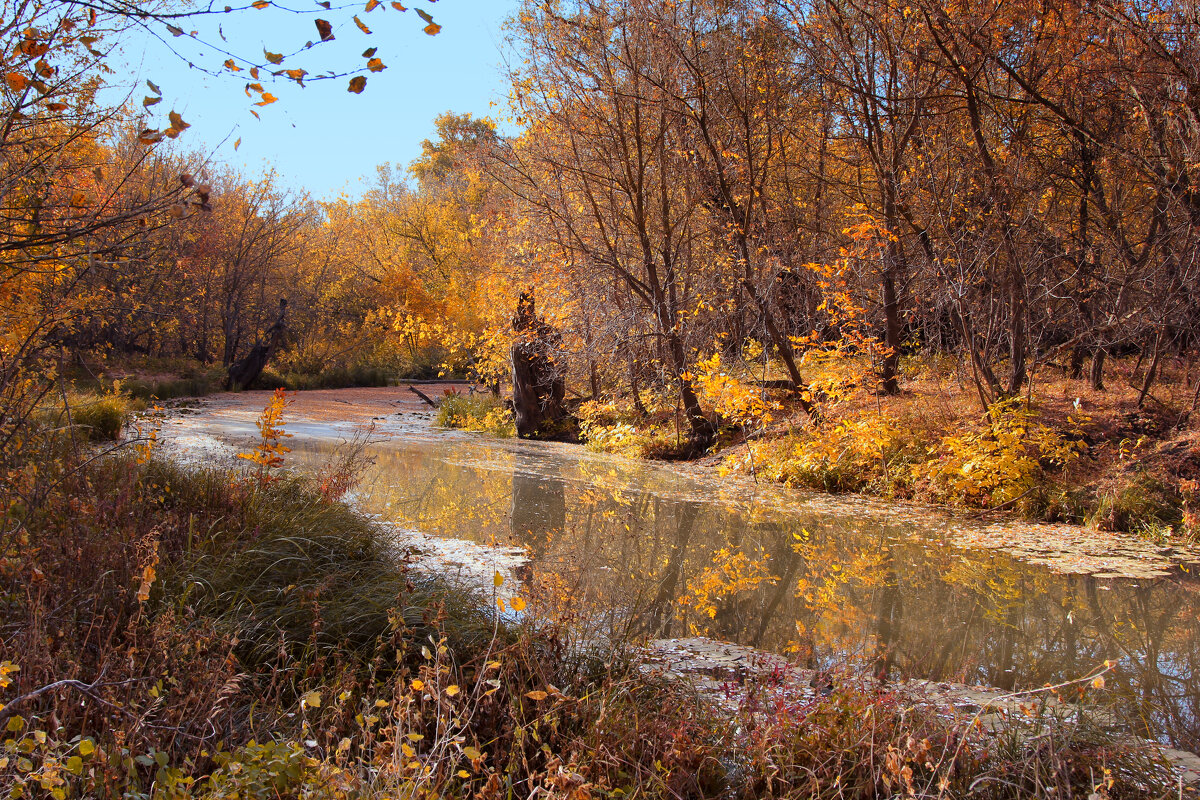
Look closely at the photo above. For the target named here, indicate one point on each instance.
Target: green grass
(172, 388)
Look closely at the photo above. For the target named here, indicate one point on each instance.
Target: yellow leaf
(274, 58)
(408, 751)
(86, 747)
(498, 580)
(500, 603)
(462, 773)
(372, 5)
(361, 26)
(143, 593)
(376, 65)
(231, 66)
(267, 99)
(472, 753)
(433, 29)
(260, 4)
(418, 685)
(452, 690)
(1098, 682)
(518, 604)
(312, 699)
(536, 695)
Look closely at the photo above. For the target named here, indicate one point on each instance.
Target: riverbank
(458, 488)
(1112, 460)
(1142, 496)
(242, 660)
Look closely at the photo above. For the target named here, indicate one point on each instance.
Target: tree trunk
(1075, 370)
(1155, 359)
(244, 372)
(890, 368)
(783, 344)
(539, 385)
(1096, 372)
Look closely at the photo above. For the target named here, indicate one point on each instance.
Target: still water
(654, 550)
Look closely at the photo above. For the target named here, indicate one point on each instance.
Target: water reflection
(538, 509)
(653, 551)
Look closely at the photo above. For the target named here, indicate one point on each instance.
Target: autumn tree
(603, 168)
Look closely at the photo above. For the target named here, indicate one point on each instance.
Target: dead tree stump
(245, 371)
(538, 374)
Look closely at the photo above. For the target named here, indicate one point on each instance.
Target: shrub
(1005, 461)
(847, 456)
(609, 428)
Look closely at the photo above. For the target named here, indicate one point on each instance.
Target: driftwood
(539, 384)
(428, 400)
(245, 371)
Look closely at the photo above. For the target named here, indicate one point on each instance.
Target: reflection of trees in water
(894, 603)
(888, 620)
(656, 618)
(434, 493)
(538, 511)
(1152, 635)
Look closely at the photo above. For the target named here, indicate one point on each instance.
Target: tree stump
(538, 376)
(245, 371)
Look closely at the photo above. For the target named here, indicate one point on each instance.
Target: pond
(656, 550)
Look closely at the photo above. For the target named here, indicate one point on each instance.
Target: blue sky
(322, 138)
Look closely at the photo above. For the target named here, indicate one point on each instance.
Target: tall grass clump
(483, 413)
(91, 416)
(312, 579)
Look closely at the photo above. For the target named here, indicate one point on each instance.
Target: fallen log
(428, 400)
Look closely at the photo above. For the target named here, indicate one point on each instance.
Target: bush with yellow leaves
(1006, 460)
(847, 456)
